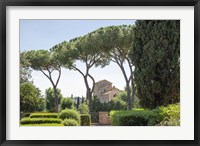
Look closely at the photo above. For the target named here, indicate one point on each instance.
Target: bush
(85, 120)
(70, 122)
(67, 103)
(23, 115)
(40, 121)
(70, 114)
(44, 115)
(118, 104)
(94, 117)
(162, 116)
(130, 118)
(54, 124)
(83, 109)
(170, 115)
(27, 114)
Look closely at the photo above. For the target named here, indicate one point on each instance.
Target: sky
(44, 34)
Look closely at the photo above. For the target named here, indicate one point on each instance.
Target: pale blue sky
(43, 34)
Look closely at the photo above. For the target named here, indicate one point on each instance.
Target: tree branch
(49, 77)
(75, 68)
(93, 82)
(59, 70)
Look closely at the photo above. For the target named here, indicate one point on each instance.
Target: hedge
(130, 118)
(40, 120)
(70, 122)
(23, 115)
(162, 116)
(85, 120)
(51, 124)
(44, 115)
(69, 114)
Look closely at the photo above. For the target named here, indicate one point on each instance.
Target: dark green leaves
(156, 56)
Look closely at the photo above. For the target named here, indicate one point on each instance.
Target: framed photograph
(99, 72)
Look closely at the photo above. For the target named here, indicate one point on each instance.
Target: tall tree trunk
(90, 100)
(129, 96)
(133, 91)
(55, 100)
(88, 93)
(128, 91)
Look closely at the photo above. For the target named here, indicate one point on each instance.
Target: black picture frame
(5, 3)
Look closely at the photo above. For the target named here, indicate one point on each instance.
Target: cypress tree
(156, 57)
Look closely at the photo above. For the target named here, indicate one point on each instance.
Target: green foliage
(42, 105)
(40, 121)
(42, 60)
(70, 122)
(85, 120)
(69, 114)
(123, 96)
(114, 104)
(30, 98)
(44, 115)
(23, 115)
(51, 124)
(25, 72)
(96, 105)
(171, 115)
(156, 57)
(83, 109)
(67, 103)
(118, 104)
(50, 99)
(94, 117)
(162, 116)
(130, 118)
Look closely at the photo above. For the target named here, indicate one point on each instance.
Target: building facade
(104, 91)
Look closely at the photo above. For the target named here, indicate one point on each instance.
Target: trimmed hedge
(163, 116)
(23, 115)
(51, 124)
(70, 122)
(40, 120)
(85, 120)
(44, 115)
(69, 114)
(130, 118)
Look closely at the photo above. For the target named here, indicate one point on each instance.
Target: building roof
(103, 81)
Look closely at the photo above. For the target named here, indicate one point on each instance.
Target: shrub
(70, 122)
(130, 118)
(83, 109)
(70, 114)
(44, 115)
(40, 121)
(51, 124)
(27, 114)
(67, 103)
(85, 120)
(23, 115)
(170, 115)
(94, 117)
(118, 104)
(162, 116)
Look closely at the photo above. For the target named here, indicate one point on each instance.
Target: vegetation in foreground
(162, 116)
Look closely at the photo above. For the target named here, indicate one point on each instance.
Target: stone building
(104, 91)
